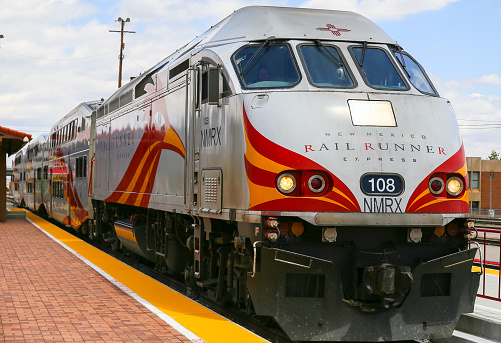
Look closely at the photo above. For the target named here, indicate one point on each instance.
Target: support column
(3, 193)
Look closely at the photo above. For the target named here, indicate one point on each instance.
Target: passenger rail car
(19, 171)
(296, 163)
(36, 168)
(68, 151)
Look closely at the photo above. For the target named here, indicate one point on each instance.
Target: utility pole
(122, 46)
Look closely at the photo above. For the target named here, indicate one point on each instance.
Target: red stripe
(456, 162)
(294, 161)
(259, 176)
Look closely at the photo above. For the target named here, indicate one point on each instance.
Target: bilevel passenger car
(19, 172)
(68, 151)
(296, 163)
(36, 168)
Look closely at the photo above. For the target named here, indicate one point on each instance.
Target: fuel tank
(134, 236)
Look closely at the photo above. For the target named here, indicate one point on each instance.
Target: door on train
(102, 159)
(205, 122)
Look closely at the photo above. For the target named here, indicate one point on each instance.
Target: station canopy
(11, 140)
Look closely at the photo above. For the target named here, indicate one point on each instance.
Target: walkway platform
(56, 288)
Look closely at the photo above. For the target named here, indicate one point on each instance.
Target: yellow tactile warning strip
(486, 271)
(193, 320)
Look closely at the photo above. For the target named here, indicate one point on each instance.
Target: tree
(494, 156)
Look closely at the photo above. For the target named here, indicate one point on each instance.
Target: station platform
(56, 288)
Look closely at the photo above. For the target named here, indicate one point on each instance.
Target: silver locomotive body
(296, 163)
(299, 155)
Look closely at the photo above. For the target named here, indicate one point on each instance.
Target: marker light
(452, 229)
(316, 183)
(454, 186)
(286, 183)
(436, 185)
(297, 229)
(329, 234)
(415, 235)
(284, 228)
(439, 231)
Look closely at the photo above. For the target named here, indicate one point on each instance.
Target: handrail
(487, 259)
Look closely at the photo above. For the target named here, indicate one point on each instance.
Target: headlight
(454, 186)
(286, 183)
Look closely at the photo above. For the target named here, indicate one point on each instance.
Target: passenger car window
(377, 69)
(325, 66)
(415, 72)
(266, 66)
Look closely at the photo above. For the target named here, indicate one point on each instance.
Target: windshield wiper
(338, 61)
(361, 63)
(255, 54)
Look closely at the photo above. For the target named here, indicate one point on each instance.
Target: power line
(128, 57)
(56, 59)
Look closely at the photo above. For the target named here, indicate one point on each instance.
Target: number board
(382, 184)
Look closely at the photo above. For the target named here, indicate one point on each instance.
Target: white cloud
(490, 79)
(380, 10)
(479, 115)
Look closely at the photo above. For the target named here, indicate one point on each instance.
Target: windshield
(415, 73)
(325, 66)
(266, 66)
(377, 69)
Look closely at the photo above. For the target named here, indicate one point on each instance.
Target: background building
(485, 184)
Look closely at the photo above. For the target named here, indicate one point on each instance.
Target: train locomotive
(297, 164)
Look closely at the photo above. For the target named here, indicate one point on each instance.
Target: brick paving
(49, 295)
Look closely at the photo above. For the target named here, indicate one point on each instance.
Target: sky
(56, 54)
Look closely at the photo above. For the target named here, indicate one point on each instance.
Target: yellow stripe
(145, 182)
(173, 138)
(425, 192)
(209, 326)
(337, 191)
(486, 270)
(132, 183)
(462, 170)
(465, 195)
(258, 160)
